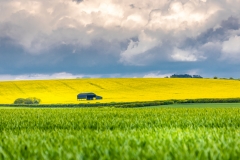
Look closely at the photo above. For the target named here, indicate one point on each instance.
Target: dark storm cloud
(209, 42)
(232, 23)
(221, 33)
(100, 58)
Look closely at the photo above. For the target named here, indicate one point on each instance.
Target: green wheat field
(193, 131)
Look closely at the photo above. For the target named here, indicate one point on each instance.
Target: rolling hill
(118, 89)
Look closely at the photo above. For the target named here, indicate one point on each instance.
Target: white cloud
(136, 51)
(232, 46)
(61, 75)
(186, 55)
(65, 75)
(39, 25)
(156, 75)
(186, 19)
(231, 49)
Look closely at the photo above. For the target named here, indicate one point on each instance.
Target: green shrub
(19, 101)
(30, 100)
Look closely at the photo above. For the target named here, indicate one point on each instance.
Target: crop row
(116, 133)
(113, 118)
(176, 143)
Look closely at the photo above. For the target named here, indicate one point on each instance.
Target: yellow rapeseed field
(118, 89)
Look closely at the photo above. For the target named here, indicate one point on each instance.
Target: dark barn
(88, 96)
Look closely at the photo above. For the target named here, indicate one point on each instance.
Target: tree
(30, 100)
(180, 76)
(19, 101)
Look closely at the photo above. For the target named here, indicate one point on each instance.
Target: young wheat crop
(110, 133)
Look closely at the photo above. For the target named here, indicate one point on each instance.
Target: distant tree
(19, 101)
(185, 76)
(231, 78)
(215, 77)
(180, 76)
(30, 100)
(197, 76)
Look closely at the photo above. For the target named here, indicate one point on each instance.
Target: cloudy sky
(119, 38)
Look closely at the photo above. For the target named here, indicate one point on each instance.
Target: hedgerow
(134, 104)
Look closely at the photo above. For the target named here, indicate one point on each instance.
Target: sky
(119, 38)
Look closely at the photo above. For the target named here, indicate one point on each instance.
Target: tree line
(185, 76)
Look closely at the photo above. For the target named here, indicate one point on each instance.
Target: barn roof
(87, 93)
(88, 96)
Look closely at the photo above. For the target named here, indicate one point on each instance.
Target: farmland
(118, 89)
(203, 131)
(60, 130)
